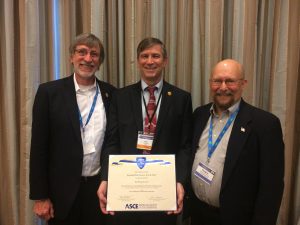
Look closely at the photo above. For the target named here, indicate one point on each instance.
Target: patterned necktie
(151, 106)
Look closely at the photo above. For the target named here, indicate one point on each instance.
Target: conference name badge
(144, 141)
(87, 143)
(205, 173)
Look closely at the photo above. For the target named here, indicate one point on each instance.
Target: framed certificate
(141, 183)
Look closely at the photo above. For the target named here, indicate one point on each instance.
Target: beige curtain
(262, 34)
(9, 156)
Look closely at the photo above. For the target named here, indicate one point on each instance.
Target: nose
(88, 57)
(149, 60)
(223, 85)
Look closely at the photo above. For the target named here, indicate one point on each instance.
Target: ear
(71, 58)
(244, 83)
(166, 61)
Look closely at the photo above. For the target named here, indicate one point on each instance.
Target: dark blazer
(252, 183)
(56, 146)
(173, 131)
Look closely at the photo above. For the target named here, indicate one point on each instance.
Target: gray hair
(89, 40)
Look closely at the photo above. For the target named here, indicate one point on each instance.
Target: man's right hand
(43, 209)
(102, 190)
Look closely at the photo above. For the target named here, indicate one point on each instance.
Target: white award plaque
(141, 183)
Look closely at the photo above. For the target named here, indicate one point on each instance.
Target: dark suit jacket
(173, 131)
(252, 183)
(56, 147)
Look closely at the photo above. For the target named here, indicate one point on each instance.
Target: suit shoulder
(122, 94)
(107, 86)
(203, 108)
(176, 89)
(54, 83)
(262, 114)
(262, 118)
(128, 89)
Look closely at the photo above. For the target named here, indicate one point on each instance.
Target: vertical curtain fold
(291, 71)
(196, 55)
(213, 35)
(171, 39)
(9, 164)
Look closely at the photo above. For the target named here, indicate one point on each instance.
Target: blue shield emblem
(141, 162)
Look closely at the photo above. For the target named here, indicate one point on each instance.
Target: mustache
(87, 63)
(224, 93)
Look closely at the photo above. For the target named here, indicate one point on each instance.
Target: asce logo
(131, 206)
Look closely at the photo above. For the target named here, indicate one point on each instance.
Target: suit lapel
(200, 122)
(166, 100)
(104, 94)
(136, 104)
(238, 138)
(71, 104)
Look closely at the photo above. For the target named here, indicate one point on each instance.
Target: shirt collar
(230, 110)
(158, 85)
(77, 87)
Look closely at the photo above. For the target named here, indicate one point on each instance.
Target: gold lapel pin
(169, 93)
(243, 129)
(106, 94)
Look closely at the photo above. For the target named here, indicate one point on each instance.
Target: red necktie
(151, 106)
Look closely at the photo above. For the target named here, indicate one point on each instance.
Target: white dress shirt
(93, 133)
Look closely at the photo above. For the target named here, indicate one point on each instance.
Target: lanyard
(212, 147)
(150, 119)
(91, 110)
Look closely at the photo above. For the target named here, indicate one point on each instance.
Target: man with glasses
(238, 169)
(68, 127)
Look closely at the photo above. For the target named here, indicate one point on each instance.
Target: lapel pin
(243, 129)
(106, 94)
(169, 93)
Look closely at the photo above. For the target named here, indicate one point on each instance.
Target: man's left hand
(180, 196)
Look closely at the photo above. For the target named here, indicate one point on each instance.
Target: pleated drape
(35, 36)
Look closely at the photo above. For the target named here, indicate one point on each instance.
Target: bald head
(229, 64)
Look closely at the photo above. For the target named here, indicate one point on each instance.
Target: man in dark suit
(69, 122)
(238, 169)
(169, 123)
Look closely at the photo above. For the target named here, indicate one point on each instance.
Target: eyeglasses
(228, 82)
(83, 52)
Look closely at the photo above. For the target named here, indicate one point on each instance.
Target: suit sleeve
(183, 156)
(39, 151)
(271, 175)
